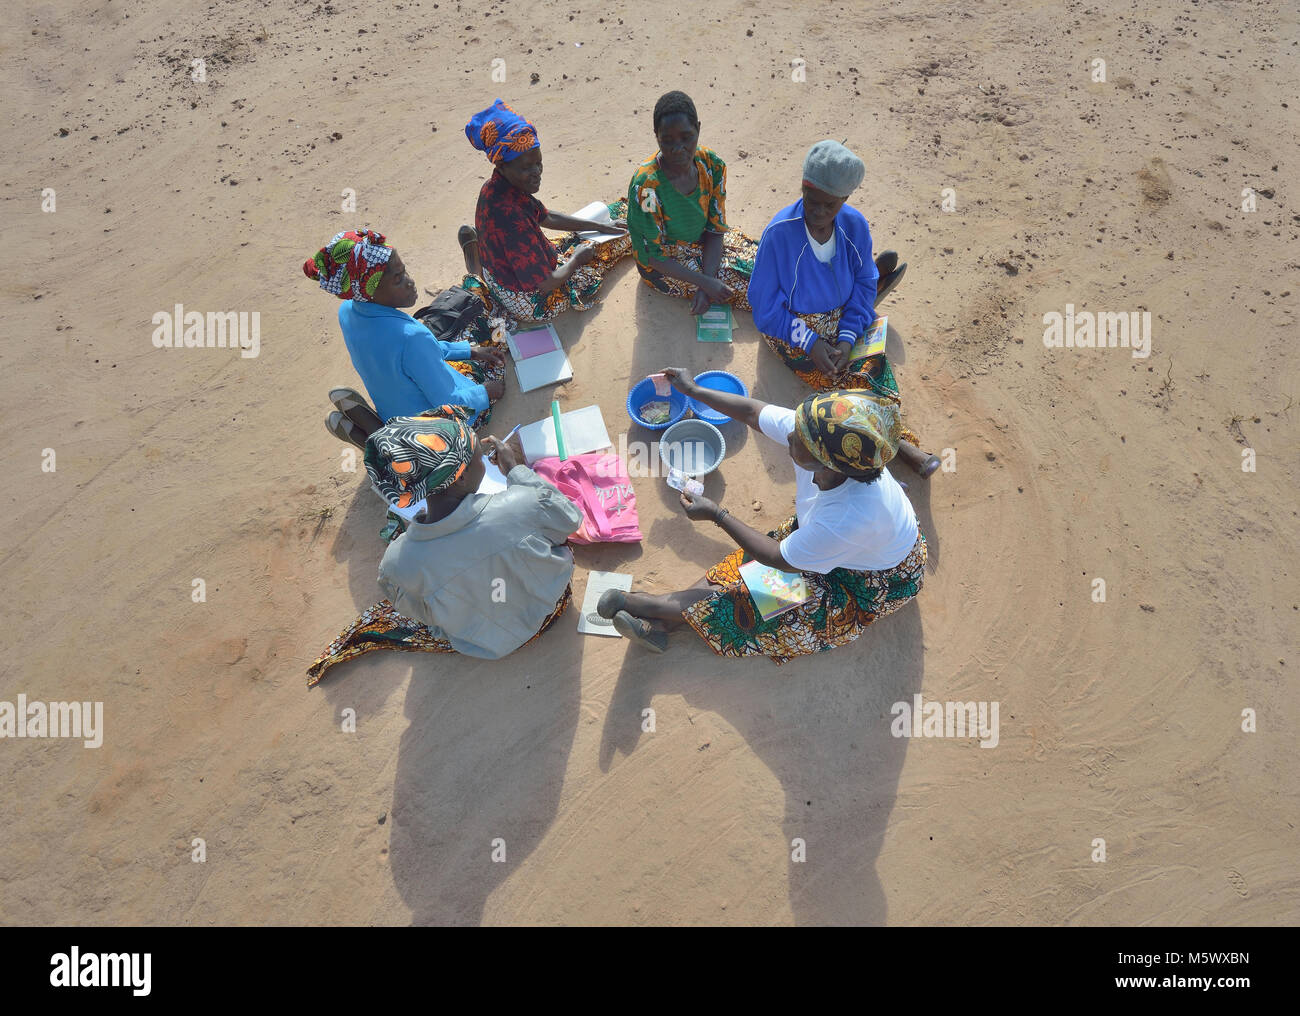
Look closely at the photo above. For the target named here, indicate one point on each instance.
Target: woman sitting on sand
(853, 536)
(676, 213)
(531, 277)
(814, 288)
(404, 367)
(479, 574)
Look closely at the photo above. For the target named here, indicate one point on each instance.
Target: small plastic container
(718, 380)
(643, 392)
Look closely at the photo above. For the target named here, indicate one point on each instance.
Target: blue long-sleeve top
(788, 279)
(404, 365)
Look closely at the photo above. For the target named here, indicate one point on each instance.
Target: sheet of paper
(597, 211)
(589, 622)
(584, 431)
(493, 482)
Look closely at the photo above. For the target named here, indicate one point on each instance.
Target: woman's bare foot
(468, 238)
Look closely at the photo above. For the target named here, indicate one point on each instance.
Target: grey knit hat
(832, 168)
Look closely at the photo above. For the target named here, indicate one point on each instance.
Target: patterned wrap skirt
(735, 269)
(843, 604)
(381, 627)
(873, 375)
(579, 293)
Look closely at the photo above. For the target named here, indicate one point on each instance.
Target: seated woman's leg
(738, 251)
(737, 266)
(666, 608)
(843, 605)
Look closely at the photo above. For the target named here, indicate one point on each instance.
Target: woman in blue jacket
(406, 368)
(815, 284)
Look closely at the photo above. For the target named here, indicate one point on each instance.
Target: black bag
(451, 312)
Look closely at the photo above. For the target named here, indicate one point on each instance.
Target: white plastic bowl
(694, 446)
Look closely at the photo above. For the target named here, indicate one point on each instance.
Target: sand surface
(1119, 721)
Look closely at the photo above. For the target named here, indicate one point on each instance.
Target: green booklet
(714, 325)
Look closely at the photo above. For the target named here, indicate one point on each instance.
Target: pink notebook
(534, 343)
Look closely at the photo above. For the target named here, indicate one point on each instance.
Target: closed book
(774, 591)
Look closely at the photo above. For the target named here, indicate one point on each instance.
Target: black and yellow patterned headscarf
(411, 457)
(850, 432)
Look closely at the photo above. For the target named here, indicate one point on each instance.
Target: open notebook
(539, 358)
(584, 431)
(597, 211)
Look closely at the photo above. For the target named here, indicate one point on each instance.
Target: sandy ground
(1119, 720)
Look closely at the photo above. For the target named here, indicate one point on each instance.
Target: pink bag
(597, 483)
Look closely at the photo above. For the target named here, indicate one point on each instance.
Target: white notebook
(584, 431)
(539, 358)
(597, 211)
(589, 622)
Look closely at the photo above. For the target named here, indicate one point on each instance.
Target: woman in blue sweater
(815, 284)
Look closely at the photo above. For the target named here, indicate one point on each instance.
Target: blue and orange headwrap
(501, 133)
(411, 457)
(351, 265)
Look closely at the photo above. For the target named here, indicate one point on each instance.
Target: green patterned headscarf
(411, 457)
(850, 432)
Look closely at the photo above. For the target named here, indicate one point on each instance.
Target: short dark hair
(672, 103)
(871, 477)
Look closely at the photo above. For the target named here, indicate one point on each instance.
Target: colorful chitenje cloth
(351, 265)
(410, 457)
(381, 627)
(659, 214)
(517, 257)
(736, 267)
(874, 375)
(501, 134)
(844, 603)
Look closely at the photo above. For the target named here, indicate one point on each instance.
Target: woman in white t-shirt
(854, 535)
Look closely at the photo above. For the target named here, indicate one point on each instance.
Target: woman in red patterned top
(533, 278)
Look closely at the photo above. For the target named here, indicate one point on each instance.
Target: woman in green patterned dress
(676, 214)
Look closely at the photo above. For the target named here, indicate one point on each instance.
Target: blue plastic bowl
(644, 392)
(718, 381)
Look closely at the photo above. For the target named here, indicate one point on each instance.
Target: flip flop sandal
(928, 467)
(344, 429)
(467, 236)
(353, 405)
(887, 262)
(611, 602)
(636, 630)
(890, 282)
